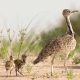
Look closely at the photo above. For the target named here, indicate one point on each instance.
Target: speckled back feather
(63, 45)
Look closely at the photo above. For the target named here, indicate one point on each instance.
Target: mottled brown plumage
(9, 65)
(62, 45)
(19, 63)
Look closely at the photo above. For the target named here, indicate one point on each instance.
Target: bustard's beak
(74, 11)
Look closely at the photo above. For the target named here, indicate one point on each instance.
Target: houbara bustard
(9, 65)
(61, 45)
(19, 63)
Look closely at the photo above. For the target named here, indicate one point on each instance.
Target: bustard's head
(67, 12)
(24, 56)
(11, 57)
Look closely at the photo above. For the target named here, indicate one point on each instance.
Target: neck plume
(69, 26)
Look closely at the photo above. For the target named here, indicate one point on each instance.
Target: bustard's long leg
(16, 71)
(20, 72)
(7, 73)
(52, 62)
(11, 71)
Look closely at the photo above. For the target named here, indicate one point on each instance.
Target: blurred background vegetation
(30, 44)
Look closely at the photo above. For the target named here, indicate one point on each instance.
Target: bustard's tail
(36, 61)
(41, 57)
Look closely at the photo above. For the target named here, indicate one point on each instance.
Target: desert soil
(41, 71)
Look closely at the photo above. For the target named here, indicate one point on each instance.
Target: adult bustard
(62, 45)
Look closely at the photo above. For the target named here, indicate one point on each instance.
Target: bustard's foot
(16, 74)
(7, 74)
(51, 70)
(65, 70)
(65, 67)
(20, 73)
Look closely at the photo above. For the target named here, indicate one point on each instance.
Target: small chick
(9, 65)
(19, 63)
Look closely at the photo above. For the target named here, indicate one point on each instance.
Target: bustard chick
(9, 65)
(61, 45)
(19, 63)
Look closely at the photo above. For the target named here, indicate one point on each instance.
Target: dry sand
(41, 71)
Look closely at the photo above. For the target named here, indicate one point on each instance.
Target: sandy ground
(41, 71)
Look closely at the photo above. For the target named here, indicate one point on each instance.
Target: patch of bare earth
(41, 71)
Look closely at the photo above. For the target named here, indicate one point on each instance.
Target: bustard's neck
(24, 61)
(69, 26)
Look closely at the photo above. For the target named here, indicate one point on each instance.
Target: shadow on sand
(13, 76)
(69, 67)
